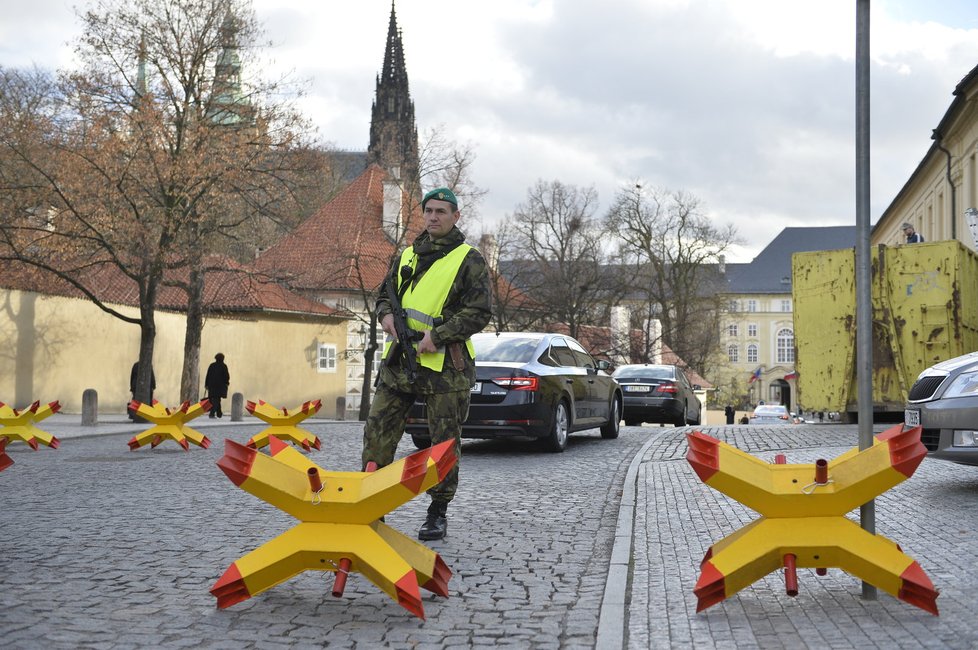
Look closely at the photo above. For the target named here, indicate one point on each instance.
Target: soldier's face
(439, 217)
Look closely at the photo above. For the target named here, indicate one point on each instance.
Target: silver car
(944, 403)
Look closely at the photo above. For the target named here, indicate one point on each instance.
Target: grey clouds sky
(747, 104)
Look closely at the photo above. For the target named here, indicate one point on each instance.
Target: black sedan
(658, 393)
(944, 402)
(533, 385)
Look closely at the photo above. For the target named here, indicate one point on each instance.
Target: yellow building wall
(769, 318)
(53, 348)
(925, 202)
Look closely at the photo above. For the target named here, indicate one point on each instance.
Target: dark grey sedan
(533, 385)
(944, 403)
(658, 393)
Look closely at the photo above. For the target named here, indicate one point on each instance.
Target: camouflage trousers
(385, 426)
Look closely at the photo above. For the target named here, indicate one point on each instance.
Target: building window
(378, 354)
(786, 346)
(733, 353)
(752, 330)
(327, 358)
(786, 305)
(732, 306)
(751, 305)
(732, 329)
(751, 353)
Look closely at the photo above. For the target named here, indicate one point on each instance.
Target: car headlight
(965, 385)
(966, 439)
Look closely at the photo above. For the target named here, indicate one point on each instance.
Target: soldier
(443, 284)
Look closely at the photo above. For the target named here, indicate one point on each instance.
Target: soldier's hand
(426, 344)
(387, 324)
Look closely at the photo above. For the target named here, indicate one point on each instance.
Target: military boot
(436, 524)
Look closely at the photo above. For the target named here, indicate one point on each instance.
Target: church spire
(393, 134)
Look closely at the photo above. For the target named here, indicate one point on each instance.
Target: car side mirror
(603, 364)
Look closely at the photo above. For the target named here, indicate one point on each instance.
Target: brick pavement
(932, 516)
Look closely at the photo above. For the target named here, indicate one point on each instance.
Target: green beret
(440, 194)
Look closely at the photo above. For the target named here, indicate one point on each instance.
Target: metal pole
(864, 300)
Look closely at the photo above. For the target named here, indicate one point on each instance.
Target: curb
(614, 605)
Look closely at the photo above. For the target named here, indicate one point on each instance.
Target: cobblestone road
(107, 548)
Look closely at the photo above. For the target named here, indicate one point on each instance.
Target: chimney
(490, 251)
(723, 265)
(391, 219)
(620, 339)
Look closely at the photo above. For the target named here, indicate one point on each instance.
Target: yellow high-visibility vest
(423, 302)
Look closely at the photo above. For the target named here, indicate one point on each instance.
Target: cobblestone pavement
(932, 516)
(108, 548)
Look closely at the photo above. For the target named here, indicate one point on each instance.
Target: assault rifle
(405, 335)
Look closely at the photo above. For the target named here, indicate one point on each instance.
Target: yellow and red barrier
(169, 424)
(803, 521)
(5, 460)
(19, 425)
(339, 527)
(284, 425)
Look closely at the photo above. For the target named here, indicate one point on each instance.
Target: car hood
(952, 365)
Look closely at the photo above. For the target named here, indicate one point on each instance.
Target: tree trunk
(190, 375)
(368, 367)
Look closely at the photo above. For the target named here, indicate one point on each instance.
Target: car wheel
(421, 443)
(610, 430)
(681, 422)
(557, 440)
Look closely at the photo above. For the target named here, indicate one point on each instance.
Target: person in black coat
(216, 384)
(730, 413)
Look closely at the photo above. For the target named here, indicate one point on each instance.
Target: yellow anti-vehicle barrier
(19, 425)
(340, 529)
(169, 424)
(284, 425)
(803, 521)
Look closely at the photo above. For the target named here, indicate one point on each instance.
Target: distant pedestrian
(913, 237)
(216, 384)
(730, 413)
(132, 388)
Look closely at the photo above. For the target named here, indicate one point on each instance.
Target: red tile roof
(343, 246)
(232, 288)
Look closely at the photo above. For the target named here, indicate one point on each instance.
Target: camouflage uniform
(467, 310)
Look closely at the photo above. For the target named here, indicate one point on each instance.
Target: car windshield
(508, 349)
(643, 372)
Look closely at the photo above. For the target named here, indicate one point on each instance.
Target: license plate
(636, 389)
(911, 417)
(477, 387)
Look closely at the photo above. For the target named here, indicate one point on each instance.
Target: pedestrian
(730, 413)
(216, 384)
(442, 284)
(132, 389)
(913, 237)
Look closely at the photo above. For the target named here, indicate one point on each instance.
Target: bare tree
(151, 155)
(669, 250)
(557, 240)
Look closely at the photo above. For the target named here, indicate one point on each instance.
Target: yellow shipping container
(925, 310)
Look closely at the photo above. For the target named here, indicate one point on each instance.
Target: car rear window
(771, 410)
(643, 373)
(508, 349)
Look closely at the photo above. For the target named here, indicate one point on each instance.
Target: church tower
(229, 105)
(393, 134)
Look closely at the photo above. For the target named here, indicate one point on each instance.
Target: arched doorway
(779, 392)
